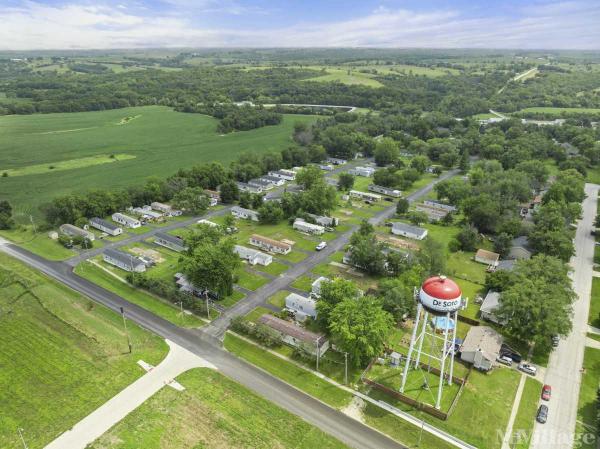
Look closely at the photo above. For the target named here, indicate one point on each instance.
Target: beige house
(481, 347)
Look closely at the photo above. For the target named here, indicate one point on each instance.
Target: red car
(546, 392)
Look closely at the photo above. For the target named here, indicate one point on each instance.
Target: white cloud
(33, 25)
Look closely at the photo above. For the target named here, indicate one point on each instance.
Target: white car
(321, 246)
(527, 368)
(505, 360)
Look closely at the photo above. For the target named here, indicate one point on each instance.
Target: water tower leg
(443, 364)
(422, 337)
(411, 348)
(453, 343)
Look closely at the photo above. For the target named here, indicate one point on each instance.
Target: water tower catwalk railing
(446, 306)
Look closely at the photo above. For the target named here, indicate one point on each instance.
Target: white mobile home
(288, 175)
(296, 336)
(126, 220)
(203, 221)
(440, 205)
(245, 214)
(366, 196)
(166, 209)
(301, 306)
(252, 256)
(270, 245)
(362, 171)
(170, 241)
(243, 187)
(316, 286)
(74, 231)
(309, 228)
(385, 190)
(125, 261)
(324, 221)
(409, 231)
(106, 226)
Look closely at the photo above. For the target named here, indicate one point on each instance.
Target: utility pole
(207, 305)
(125, 327)
(32, 223)
(345, 368)
(20, 430)
(318, 353)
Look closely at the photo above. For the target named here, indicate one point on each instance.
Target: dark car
(507, 351)
(546, 392)
(555, 341)
(542, 414)
(391, 200)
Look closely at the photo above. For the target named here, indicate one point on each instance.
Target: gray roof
(170, 238)
(491, 302)
(106, 224)
(271, 179)
(408, 228)
(521, 241)
(293, 330)
(507, 265)
(123, 257)
(484, 339)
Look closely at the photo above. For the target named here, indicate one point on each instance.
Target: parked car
(510, 352)
(391, 200)
(505, 360)
(555, 341)
(546, 392)
(528, 369)
(542, 414)
(321, 246)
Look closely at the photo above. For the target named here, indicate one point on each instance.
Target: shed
(487, 257)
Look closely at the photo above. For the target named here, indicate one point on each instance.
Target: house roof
(487, 255)
(123, 257)
(170, 238)
(483, 339)
(408, 228)
(522, 242)
(106, 224)
(270, 241)
(243, 210)
(491, 302)
(293, 330)
(507, 265)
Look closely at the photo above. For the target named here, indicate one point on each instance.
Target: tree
(454, 190)
(468, 237)
(270, 213)
(386, 152)
(417, 217)
(229, 192)
(345, 182)
(402, 206)
(6, 220)
(502, 243)
(397, 294)
(309, 176)
(192, 200)
(420, 163)
(367, 253)
(432, 256)
(360, 327)
(332, 293)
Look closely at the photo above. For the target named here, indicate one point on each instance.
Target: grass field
(559, 111)
(161, 140)
(38, 243)
(594, 315)
(586, 413)
(213, 412)
(525, 419)
(61, 355)
(40, 169)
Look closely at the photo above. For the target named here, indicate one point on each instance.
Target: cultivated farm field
(157, 141)
(62, 356)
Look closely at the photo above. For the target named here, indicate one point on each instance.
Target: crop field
(559, 111)
(213, 412)
(159, 140)
(61, 355)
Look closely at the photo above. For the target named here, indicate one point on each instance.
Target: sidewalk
(93, 426)
(513, 413)
(442, 435)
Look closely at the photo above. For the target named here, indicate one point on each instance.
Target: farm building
(166, 209)
(106, 226)
(243, 187)
(252, 256)
(489, 306)
(123, 260)
(74, 231)
(294, 335)
(301, 306)
(487, 257)
(362, 171)
(309, 228)
(270, 245)
(324, 221)
(440, 205)
(481, 347)
(170, 241)
(288, 175)
(336, 161)
(126, 220)
(520, 249)
(385, 190)
(212, 224)
(364, 195)
(316, 286)
(409, 231)
(245, 214)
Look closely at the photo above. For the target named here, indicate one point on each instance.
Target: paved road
(218, 327)
(93, 426)
(563, 372)
(333, 422)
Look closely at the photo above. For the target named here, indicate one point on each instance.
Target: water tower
(439, 299)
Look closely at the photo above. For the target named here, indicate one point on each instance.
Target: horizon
(78, 25)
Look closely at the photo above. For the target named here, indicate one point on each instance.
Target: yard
(212, 412)
(594, 316)
(586, 414)
(38, 243)
(525, 419)
(62, 355)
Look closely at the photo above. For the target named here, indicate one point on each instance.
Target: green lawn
(161, 140)
(232, 299)
(303, 283)
(62, 355)
(288, 372)
(212, 412)
(461, 265)
(275, 268)
(249, 280)
(256, 313)
(38, 243)
(525, 419)
(40, 169)
(594, 316)
(278, 299)
(586, 413)
(157, 306)
(560, 111)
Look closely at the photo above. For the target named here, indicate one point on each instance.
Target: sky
(105, 24)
